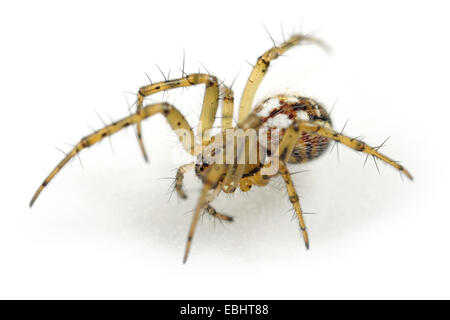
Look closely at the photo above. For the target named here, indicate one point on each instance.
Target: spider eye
(203, 166)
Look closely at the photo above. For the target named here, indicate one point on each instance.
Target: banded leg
(353, 143)
(212, 212)
(179, 179)
(293, 198)
(260, 69)
(173, 116)
(211, 182)
(227, 109)
(291, 135)
(210, 100)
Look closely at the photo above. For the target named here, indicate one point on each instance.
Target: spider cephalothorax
(282, 129)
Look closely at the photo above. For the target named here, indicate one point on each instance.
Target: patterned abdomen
(279, 112)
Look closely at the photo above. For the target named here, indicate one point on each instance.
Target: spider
(296, 129)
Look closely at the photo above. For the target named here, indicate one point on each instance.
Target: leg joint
(166, 109)
(360, 146)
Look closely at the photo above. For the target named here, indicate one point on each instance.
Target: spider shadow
(263, 219)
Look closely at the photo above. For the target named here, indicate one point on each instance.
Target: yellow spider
(281, 129)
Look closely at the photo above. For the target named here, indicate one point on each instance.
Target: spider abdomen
(279, 112)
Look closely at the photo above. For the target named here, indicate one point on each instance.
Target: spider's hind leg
(293, 198)
(352, 143)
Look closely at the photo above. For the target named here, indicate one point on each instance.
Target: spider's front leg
(210, 101)
(294, 199)
(175, 119)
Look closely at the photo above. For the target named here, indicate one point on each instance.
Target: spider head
(209, 157)
(202, 166)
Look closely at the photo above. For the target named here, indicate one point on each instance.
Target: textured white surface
(110, 231)
(302, 115)
(268, 106)
(292, 99)
(280, 121)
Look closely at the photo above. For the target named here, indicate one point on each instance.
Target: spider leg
(211, 182)
(293, 198)
(227, 109)
(173, 116)
(260, 69)
(210, 100)
(211, 211)
(353, 143)
(292, 133)
(179, 178)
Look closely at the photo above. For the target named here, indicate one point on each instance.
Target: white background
(109, 230)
